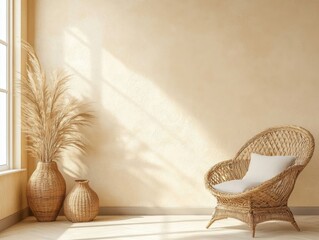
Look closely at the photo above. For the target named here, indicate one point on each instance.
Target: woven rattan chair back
(281, 141)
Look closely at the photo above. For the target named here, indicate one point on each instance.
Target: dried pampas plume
(51, 121)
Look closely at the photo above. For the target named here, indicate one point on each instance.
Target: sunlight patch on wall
(76, 54)
(174, 140)
(144, 109)
(159, 143)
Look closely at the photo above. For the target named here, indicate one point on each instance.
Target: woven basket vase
(46, 192)
(82, 203)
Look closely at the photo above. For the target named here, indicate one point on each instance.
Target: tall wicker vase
(82, 203)
(46, 191)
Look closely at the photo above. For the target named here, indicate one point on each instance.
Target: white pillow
(262, 168)
(235, 186)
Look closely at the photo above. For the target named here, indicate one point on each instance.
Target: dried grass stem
(52, 121)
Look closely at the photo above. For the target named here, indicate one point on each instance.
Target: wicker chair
(267, 201)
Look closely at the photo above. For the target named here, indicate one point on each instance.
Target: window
(5, 94)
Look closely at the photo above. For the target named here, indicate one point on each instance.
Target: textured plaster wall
(179, 86)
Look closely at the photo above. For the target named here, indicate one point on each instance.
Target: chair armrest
(290, 173)
(226, 171)
(273, 192)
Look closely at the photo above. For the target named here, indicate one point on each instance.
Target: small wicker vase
(46, 192)
(82, 203)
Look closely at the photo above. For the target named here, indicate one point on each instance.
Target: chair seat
(236, 186)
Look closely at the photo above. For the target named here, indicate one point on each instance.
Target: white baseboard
(153, 211)
(14, 218)
(305, 210)
(185, 211)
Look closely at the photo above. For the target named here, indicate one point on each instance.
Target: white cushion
(235, 186)
(262, 168)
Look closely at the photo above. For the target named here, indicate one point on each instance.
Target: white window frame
(9, 87)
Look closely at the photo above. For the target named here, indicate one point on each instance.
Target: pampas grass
(52, 121)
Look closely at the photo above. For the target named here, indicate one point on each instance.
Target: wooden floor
(159, 227)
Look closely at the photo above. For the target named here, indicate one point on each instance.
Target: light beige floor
(159, 227)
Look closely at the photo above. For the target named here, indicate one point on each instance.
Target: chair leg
(292, 220)
(252, 223)
(295, 225)
(215, 216)
(253, 231)
(211, 221)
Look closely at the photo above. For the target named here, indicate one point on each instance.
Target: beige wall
(179, 86)
(13, 191)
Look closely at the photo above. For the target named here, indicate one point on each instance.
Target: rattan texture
(267, 201)
(46, 191)
(82, 203)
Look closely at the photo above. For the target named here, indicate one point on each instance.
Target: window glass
(3, 129)
(4, 86)
(3, 66)
(3, 20)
